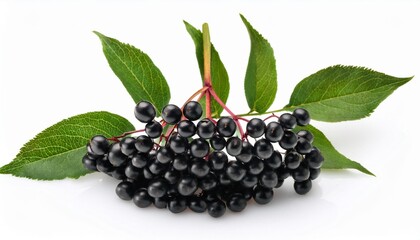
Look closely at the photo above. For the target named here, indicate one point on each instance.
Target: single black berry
(263, 148)
(263, 195)
(208, 182)
(103, 165)
(314, 158)
(226, 127)
(158, 168)
(147, 173)
(234, 146)
(255, 166)
(171, 114)
(249, 180)
(119, 173)
(172, 176)
(142, 199)
(279, 183)
(187, 185)
(274, 132)
(132, 172)
(99, 145)
(145, 112)
(255, 128)
(274, 161)
(303, 146)
(292, 160)
(216, 209)
(205, 128)
(236, 202)
(302, 116)
(161, 202)
(199, 148)
(164, 155)
(301, 173)
(89, 163)
(268, 179)
(217, 160)
(306, 135)
(186, 128)
(197, 204)
(199, 167)
(157, 188)
(115, 155)
(303, 187)
(180, 162)
(144, 144)
(246, 152)
(288, 121)
(289, 140)
(283, 172)
(193, 110)
(140, 160)
(235, 171)
(128, 145)
(217, 142)
(177, 143)
(177, 204)
(153, 129)
(125, 190)
(314, 173)
(224, 179)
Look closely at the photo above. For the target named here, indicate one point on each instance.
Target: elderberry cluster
(202, 165)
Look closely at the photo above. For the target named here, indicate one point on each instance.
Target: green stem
(257, 114)
(207, 55)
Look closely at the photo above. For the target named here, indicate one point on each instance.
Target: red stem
(271, 116)
(116, 138)
(208, 104)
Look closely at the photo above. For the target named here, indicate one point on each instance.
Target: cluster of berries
(201, 164)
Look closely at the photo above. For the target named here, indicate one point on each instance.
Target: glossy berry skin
(303, 146)
(255, 128)
(157, 188)
(236, 202)
(262, 195)
(160, 203)
(274, 161)
(199, 148)
(288, 121)
(142, 199)
(144, 111)
(199, 167)
(255, 166)
(172, 176)
(153, 129)
(289, 140)
(180, 162)
(216, 209)
(301, 173)
(103, 165)
(246, 152)
(306, 135)
(186, 128)
(226, 127)
(177, 204)
(314, 158)
(165, 155)
(99, 145)
(125, 190)
(147, 174)
(158, 168)
(249, 180)
(115, 156)
(187, 185)
(140, 160)
(208, 182)
(178, 144)
(143, 144)
(171, 114)
(274, 132)
(205, 128)
(283, 172)
(128, 146)
(292, 160)
(302, 116)
(217, 160)
(132, 172)
(89, 163)
(235, 171)
(193, 110)
(119, 173)
(268, 179)
(314, 173)
(234, 146)
(302, 188)
(217, 142)
(263, 148)
(279, 183)
(197, 205)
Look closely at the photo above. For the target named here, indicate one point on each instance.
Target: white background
(52, 67)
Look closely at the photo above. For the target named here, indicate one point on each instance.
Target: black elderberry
(292, 159)
(235, 171)
(279, 183)
(89, 163)
(255, 128)
(142, 199)
(236, 202)
(263, 148)
(289, 140)
(303, 146)
(226, 127)
(103, 165)
(246, 152)
(172, 176)
(187, 185)
(128, 145)
(199, 148)
(216, 209)
(148, 174)
(186, 128)
(177, 143)
(288, 121)
(314, 173)
(125, 190)
(171, 114)
(303, 187)
(153, 129)
(302, 116)
(224, 179)
(164, 155)
(157, 168)
(193, 110)
(205, 128)
(263, 195)
(180, 162)
(132, 172)
(91, 153)
(249, 180)
(199, 167)
(283, 172)
(140, 160)
(268, 179)
(144, 144)
(115, 155)
(145, 112)
(197, 204)
(306, 135)
(314, 158)
(234, 146)
(119, 173)
(157, 188)
(177, 204)
(217, 160)
(161, 202)
(99, 145)
(301, 173)
(255, 166)
(208, 182)
(274, 132)
(274, 161)
(217, 142)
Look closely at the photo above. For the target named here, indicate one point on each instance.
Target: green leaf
(332, 158)
(341, 93)
(261, 73)
(219, 75)
(57, 152)
(139, 75)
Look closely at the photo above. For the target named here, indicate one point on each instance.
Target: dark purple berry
(236, 202)
(217, 142)
(157, 167)
(177, 143)
(268, 179)
(171, 114)
(283, 172)
(103, 165)
(144, 144)
(119, 173)
(99, 145)
(186, 128)
(172, 176)
(249, 181)
(274, 132)
(255, 166)
(193, 110)
(274, 161)
(199, 148)
(161, 202)
(208, 182)
(128, 146)
(187, 185)
(180, 162)
(199, 167)
(132, 172)
(140, 160)
(263, 148)
(89, 163)
(314, 158)
(164, 155)
(235, 171)
(177, 204)
(255, 128)
(314, 173)
(289, 140)
(303, 187)
(205, 128)
(142, 199)
(234, 146)
(263, 195)
(306, 135)
(153, 129)
(246, 152)
(197, 205)
(145, 112)
(125, 190)
(292, 160)
(216, 209)
(303, 146)
(301, 173)
(217, 160)
(226, 127)
(288, 121)
(115, 155)
(302, 116)
(157, 188)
